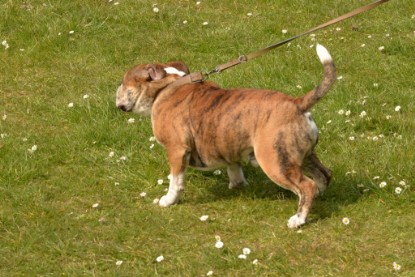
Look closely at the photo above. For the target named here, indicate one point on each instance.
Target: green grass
(48, 225)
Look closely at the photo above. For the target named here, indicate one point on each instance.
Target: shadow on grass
(341, 192)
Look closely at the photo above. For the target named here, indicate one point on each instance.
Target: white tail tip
(323, 54)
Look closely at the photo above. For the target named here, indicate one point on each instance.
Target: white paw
(234, 185)
(166, 201)
(295, 221)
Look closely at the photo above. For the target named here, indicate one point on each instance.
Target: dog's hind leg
(236, 176)
(317, 171)
(178, 161)
(282, 168)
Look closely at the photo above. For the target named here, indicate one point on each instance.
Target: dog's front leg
(178, 162)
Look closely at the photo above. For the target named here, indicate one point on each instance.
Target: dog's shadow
(341, 192)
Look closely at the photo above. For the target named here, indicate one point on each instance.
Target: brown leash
(200, 76)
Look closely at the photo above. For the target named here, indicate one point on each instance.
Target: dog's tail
(307, 101)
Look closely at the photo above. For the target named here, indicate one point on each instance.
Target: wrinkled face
(142, 83)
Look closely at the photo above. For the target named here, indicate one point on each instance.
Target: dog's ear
(155, 72)
(179, 66)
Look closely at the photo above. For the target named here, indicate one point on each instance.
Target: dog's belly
(216, 160)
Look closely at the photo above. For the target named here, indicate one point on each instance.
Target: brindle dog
(206, 127)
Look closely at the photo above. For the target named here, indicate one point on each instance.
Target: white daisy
(219, 244)
(217, 172)
(402, 183)
(346, 221)
(363, 114)
(118, 263)
(398, 190)
(204, 218)
(246, 251)
(396, 266)
(160, 258)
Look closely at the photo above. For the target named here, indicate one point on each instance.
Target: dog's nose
(122, 107)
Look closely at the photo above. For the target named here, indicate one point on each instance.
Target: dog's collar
(196, 77)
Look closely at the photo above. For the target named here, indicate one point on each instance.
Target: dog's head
(142, 83)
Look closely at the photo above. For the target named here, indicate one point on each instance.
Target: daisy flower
(160, 181)
(363, 114)
(217, 172)
(118, 263)
(131, 120)
(398, 190)
(5, 44)
(242, 257)
(402, 183)
(219, 244)
(246, 251)
(383, 184)
(204, 218)
(33, 149)
(397, 108)
(396, 266)
(159, 259)
(346, 221)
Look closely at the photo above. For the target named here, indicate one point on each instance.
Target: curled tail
(307, 101)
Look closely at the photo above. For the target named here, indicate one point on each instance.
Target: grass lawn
(78, 177)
